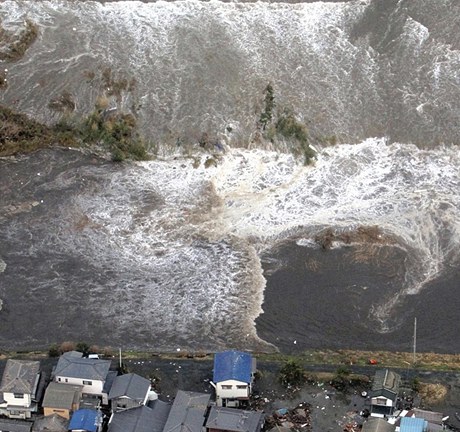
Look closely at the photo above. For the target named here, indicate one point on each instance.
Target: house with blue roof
(233, 377)
(86, 420)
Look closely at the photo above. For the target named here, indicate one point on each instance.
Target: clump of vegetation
(64, 103)
(290, 128)
(116, 131)
(20, 134)
(13, 46)
(116, 86)
(292, 374)
(284, 126)
(3, 80)
(341, 378)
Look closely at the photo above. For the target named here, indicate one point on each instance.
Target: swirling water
(169, 253)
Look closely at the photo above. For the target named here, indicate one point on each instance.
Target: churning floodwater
(183, 253)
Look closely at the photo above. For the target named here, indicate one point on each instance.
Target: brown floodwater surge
(318, 298)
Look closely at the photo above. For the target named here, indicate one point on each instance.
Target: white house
(91, 374)
(233, 378)
(19, 388)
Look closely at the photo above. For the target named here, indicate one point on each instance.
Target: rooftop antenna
(415, 340)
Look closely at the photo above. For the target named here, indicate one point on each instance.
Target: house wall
(382, 401)
(64, 413)
(95, 387)
(123, 403)
(23, 401)
(231, 389)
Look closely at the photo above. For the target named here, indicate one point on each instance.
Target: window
(381, 401)
(66, 380)
(59, 379)
(19, 395)
(87, 382)
(226, 387)
(241, 387)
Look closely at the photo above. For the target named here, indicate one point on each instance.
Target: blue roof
(232, 365)
(85, 419)
(412, 424)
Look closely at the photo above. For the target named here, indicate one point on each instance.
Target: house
(20, 388)
(223, 419)
(91, 374)
(412, 424)
(129, 391)
(61, 399)
(86, 420)
(188, 412)
(233, 377)
(51, 423)
(384, 393)
(435, 419)
(8, 425)
(141, 419)
(377, 425)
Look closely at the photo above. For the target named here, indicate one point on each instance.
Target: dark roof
(377, 425)
(62, 396)
(20, 376)
(187, 412)
(140, 419)
(231, 419)
(85, 419)
(232, 365)
(110, 378)
(130, 385)
(430, 416)
(73, 365)
(15, 425)
(51, 423)
(386, 379)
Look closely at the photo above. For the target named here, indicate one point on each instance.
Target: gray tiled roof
(231, 419)
(377, 425)
(19, 376)
(187, 412)
(15, 425)
(61, 395)
(130, 385)
(386, 379)
(73, 365)
(51, 423)
(140, 419)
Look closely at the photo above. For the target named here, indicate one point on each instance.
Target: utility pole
(415, 339)
(119, 351)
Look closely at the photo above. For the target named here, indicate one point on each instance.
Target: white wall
(95, 388)
(25, 401)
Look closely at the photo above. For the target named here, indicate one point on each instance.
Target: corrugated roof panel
(412, 424)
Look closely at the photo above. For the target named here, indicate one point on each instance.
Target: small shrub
(67, 346)
(292, 374)
(53, 351)
(269, 100)
(83, 347)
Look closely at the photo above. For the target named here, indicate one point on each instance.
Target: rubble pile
(298, 419)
